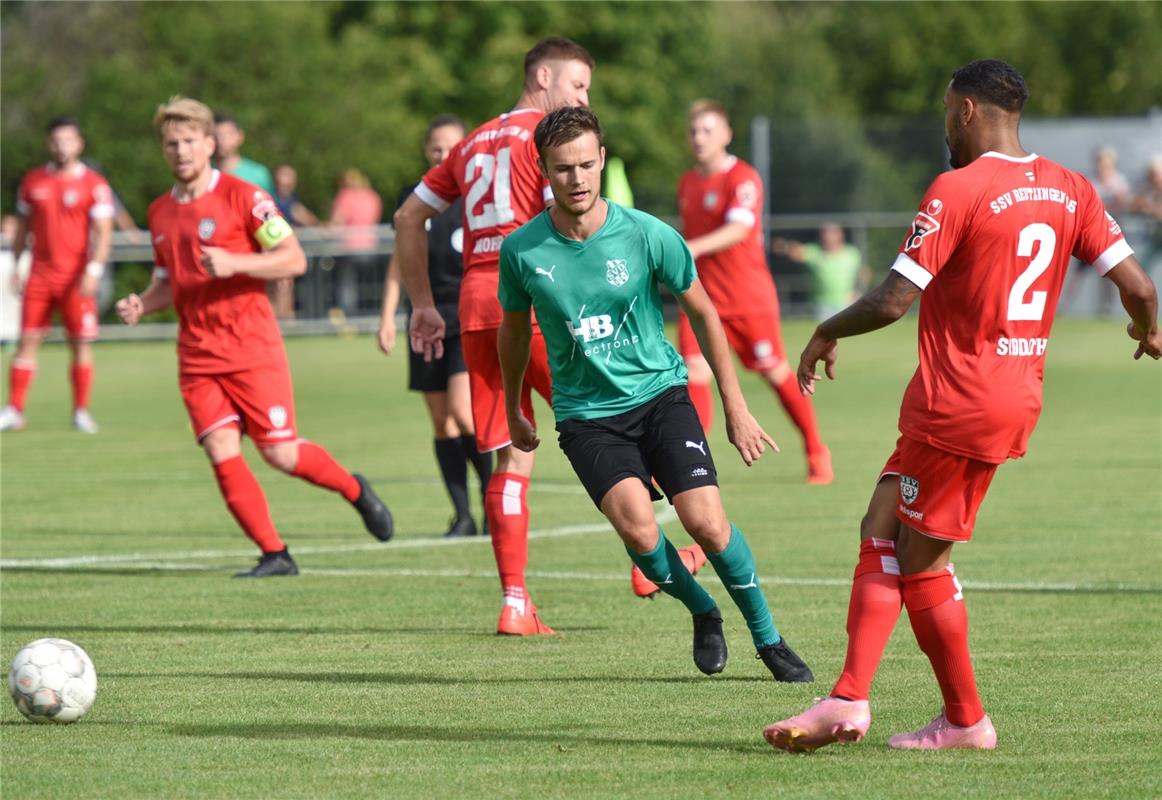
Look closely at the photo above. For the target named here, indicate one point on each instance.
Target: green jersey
(599, 309)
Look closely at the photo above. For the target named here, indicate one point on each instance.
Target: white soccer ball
(52, 680)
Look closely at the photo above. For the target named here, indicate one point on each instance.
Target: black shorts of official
(432, 376)
(660, 441)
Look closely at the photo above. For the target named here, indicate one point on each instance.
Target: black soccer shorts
(661, 440)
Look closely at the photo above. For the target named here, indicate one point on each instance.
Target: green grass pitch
(376, 673)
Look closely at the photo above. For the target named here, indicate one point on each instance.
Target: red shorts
(260, 401)
(940, 492)
(487, 385)
(755, 338)
(78, 313)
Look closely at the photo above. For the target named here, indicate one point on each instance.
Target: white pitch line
(664, 516)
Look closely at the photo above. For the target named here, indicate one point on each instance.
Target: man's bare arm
(1140, 299)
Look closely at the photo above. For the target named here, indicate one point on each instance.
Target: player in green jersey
(591, 269)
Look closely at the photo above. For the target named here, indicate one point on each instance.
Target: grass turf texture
(376, 673)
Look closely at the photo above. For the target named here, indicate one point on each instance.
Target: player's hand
(89, 286)
(748, 437)
(427, 332)
(218, 262)
(130, 309)
(1149, 343)
(386, 335)
(524, 435)
(820, 348)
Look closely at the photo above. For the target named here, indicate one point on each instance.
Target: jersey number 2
(1043, 235)
(485, 170)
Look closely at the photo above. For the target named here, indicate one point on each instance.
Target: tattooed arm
(880, 307)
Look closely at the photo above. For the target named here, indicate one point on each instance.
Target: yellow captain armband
(272, 232)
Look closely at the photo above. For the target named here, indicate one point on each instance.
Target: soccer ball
(52, 680)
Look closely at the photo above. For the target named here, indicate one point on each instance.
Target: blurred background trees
(853, 89)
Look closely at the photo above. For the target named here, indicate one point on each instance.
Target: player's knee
(283, 457)
(712, 531)
(640, 536)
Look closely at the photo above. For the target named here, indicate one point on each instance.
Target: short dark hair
(993, 82)
(63, 122)
(564, 125)
(226, 116)
(558, 48)
(445, 121)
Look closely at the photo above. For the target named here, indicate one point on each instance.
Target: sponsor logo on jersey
(922, 226)
(935, 206)
(1032, 176)
(159, 238)
(264, 209)
(206, 228)
(70, 198)
(616, 272)
(548, 273)
(598, 328)
(277, 416)
(709, 200)
(909, 489)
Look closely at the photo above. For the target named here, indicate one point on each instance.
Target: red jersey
(226, 324)
(990, 247)
(737, 279)
(59, 206)
(495, 170)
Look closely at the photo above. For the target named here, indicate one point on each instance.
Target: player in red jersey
(721, 202)
(989, 249)
(494, 169)
(68, 209)
(216, 241)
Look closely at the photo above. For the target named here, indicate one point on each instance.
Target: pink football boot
(831, 719)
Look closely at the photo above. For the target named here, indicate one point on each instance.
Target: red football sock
(801, 412)
(82, 375)
(940, 622)
(871, 616)
(317, 466)
(19, 378)
(246, 501)
(508, 521)
(703, 400)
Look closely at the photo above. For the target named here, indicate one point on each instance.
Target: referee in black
(444, 381)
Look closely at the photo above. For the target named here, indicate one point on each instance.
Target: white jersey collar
(1014, 159)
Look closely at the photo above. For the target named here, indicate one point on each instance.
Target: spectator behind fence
(282, 291)
(838, 272)
(355, 212)
(286, 197)
(1111, 185)
(1147, 201)
(230, 138)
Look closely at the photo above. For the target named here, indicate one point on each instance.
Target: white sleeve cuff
(1118, 252)
(102, 211)
(912, 271)
(740, 214)
(160, 273)
(423, 192)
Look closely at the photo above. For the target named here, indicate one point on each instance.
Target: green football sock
(735, 566)
(664, 566)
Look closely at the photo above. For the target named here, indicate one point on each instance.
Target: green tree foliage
(326, 86)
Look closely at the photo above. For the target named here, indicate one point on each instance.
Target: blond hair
(707, 106)
(184, 110)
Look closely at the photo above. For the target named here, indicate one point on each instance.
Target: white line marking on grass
(667, 514)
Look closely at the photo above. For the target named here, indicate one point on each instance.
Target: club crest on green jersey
(616, 272)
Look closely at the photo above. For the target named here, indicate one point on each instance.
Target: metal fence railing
(342, 289)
